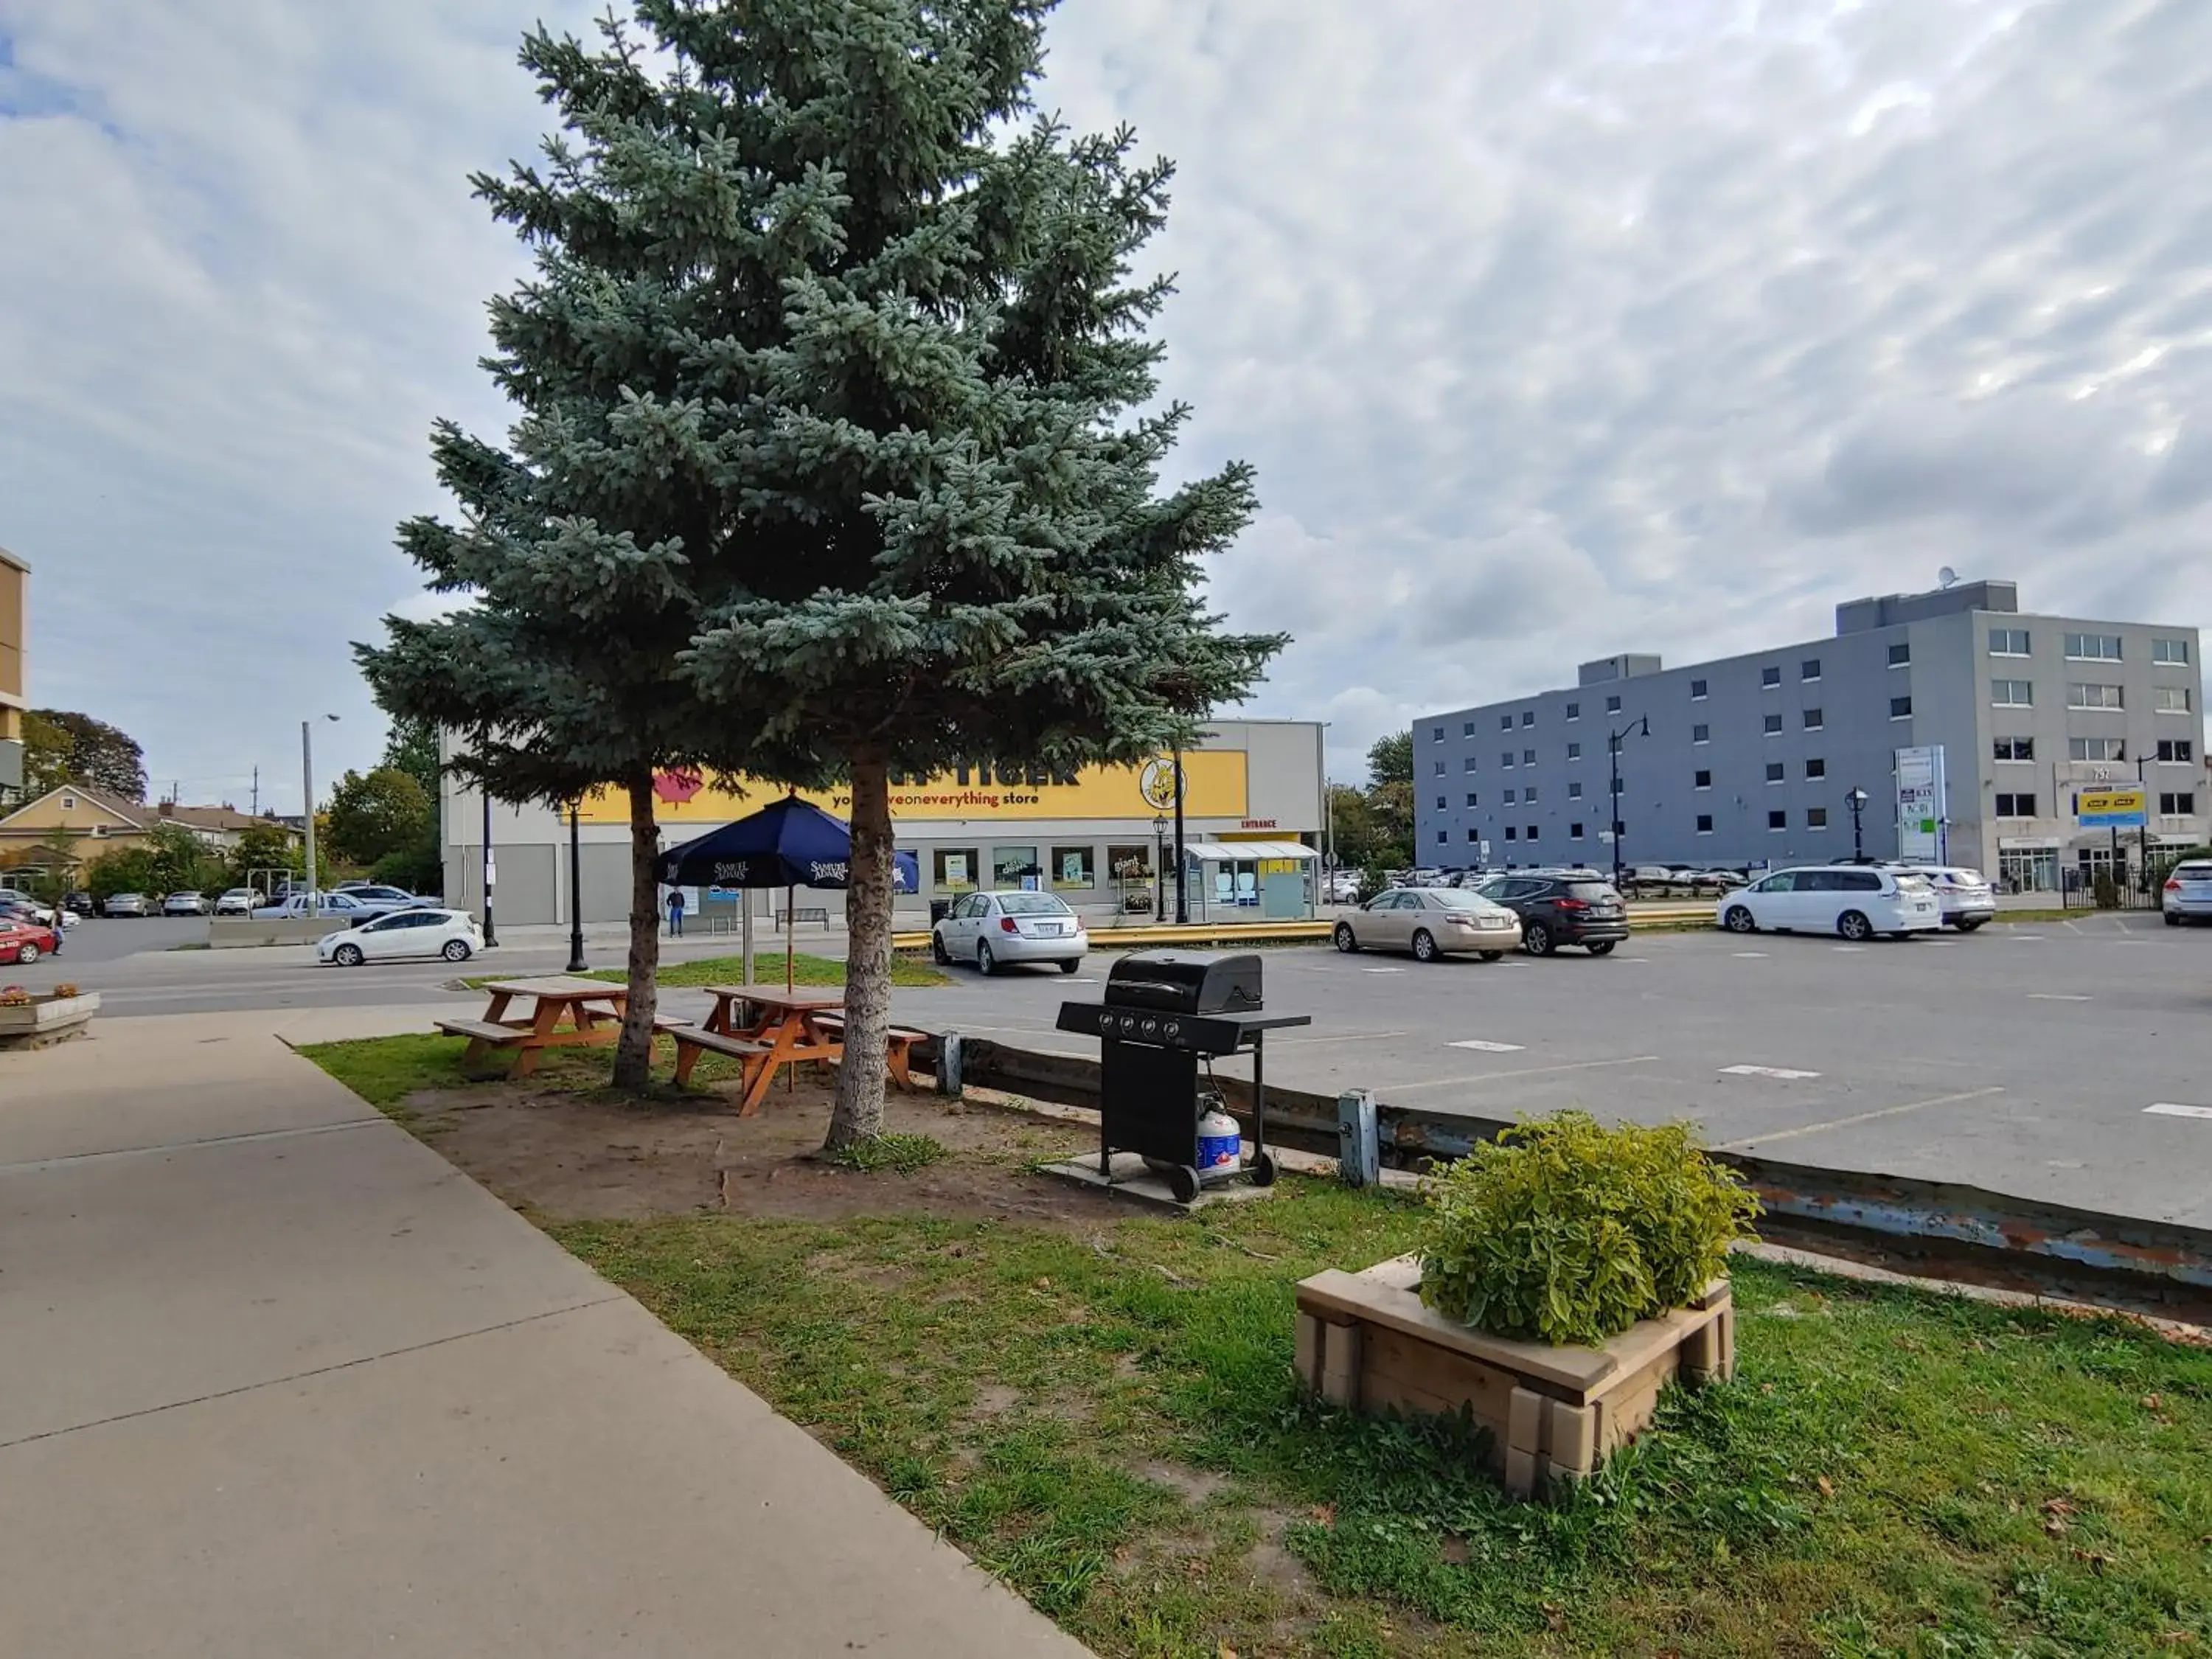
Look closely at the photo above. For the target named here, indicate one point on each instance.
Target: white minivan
(1855, 900)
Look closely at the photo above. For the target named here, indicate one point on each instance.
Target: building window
(2170, 651)
(1009, 864)
(1529, 793)
(1704, 824)
(1574, 792)
(1574, 751)
(2096, 749)
(1900, 653)
(1508, 832)
(1505, 722)
(2016, 749)
(2170, 699)
(1473, 834)
(2093, 647)
(2012, 694)
(2017, 806)
(1612, 705)
(1702, 781)
(1816, 768)
(1815, 720)
(1472, 801)
(1438, 734)
(1506, 759)
(1130, 863)
(2180, 804)
(1440, 769)
(1809, 669)
(1467, 764)
(1443, 837)
(1816, 817)
(1527, 757)
(2008, 642)
(1531, 835)
(69, 803)
(1075, 866)
(1512, 797)
(1528, 717)
(1697, 691)
(1774, 726)
(954, 869)
(1467, 729)
(2177, 750)
(2094, 696)
(1574, 711)
(1442, 802)
(1775, 772)
(1574, 830)
(1701, 734)
(1777, 819)
(1770, 678)
(1900, 709)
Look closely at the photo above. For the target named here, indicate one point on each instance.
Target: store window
(1130, 863)
(1014, 867)
(1074, 868)
(952, 870)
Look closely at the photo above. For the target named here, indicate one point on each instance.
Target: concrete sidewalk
(275, 1380)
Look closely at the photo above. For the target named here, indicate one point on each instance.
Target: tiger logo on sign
(1157, 784)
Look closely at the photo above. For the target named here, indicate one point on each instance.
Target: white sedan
(992, 929)
(452, 934)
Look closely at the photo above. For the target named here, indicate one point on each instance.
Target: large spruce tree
(835, 358)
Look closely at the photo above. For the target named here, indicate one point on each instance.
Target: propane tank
(1220, 1143)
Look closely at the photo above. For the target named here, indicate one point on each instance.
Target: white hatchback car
(452, 934)
(1855, 900)
(1964, 897)
(994, 929)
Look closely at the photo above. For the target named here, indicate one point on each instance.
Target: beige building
(14, 682)
(96, 823)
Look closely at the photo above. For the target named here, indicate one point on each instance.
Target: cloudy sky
(1553, 331)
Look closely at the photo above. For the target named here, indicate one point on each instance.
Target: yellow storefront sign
(2113, 808)
(1214, 787)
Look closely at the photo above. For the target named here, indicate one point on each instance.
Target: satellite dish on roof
(1946, 577)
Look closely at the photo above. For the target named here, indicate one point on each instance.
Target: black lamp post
(1642, 728)
(1183, 888)
(1857, 801)
(1159, 864)
(576, 963)
(490, 874)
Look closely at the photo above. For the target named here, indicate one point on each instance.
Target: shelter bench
(785, 919)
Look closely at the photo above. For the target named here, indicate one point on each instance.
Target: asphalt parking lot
(2027, 1059)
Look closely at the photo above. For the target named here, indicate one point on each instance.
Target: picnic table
(768, 1030)
(567, 1011)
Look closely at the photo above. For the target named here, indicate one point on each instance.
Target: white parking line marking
(1381, 970)
(1847, 947)
(1526, 1071)
(1859, 1117)
(2058, 996)
(2167, 1108)
(2036, 938)
(1751, 955)
(1345, 1037)
(1783, 1071)
(1486, 1048)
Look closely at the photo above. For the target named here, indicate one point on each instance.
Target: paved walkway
(276, 1380)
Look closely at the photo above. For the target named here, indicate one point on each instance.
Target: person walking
(676, 913)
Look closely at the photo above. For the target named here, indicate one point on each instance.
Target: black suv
(1578, 908)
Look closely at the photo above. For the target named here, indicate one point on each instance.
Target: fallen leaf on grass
(1827, 1487)
(1325, 1513)
(2152, 1402)
(1224, 1651)
(2098, 1561)
(1554, 1618)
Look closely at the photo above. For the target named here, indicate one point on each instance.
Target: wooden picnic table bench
(566, 1011)
(899, 1040)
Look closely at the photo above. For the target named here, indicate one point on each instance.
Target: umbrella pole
(746, 926)
(788, 894)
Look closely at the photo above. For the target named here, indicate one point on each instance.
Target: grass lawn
(1099, 1407)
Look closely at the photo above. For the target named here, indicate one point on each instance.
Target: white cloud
(1553, 331)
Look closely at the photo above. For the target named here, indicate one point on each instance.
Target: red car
(26, 941)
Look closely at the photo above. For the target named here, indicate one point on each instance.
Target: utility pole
(307, 800)
(257, 791)
(576, 963)
(490, 933)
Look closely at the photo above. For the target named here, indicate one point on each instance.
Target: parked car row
(358, 899)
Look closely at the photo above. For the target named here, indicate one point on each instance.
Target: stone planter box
(1367, 1341)
(46, 1019)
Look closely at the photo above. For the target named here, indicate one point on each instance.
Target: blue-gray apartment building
(2002, 719)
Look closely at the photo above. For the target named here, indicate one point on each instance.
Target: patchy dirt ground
(593, 1157)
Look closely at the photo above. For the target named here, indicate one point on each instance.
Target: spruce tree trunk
(865, 1072)
(634, 1053)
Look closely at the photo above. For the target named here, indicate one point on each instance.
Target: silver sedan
(1431, 922)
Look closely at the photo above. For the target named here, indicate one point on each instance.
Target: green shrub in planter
(1563, 1230)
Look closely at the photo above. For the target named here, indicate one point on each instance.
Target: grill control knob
(1128, 1023)
(1173, 1028)
(1151, 1027)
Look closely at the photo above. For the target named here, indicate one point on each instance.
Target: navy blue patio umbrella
(789, 843)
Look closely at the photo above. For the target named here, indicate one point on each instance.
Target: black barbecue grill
(1166, 1017)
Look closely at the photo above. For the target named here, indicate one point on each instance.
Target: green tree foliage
(411, 746)
(1365, 840)
(1390, 760)
(60, 746)
(1390, 797)
(1564, 1230)
(124, 870)
(181, 861)
(260, 849)
(375, 814)
(833, 362)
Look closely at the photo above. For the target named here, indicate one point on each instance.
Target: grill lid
(1186, 981)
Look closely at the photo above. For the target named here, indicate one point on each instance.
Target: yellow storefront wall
(1215, 785)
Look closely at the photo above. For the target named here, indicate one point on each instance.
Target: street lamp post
(1643, 727)
(1183, 888)
(490, 873)
(1159, 864)
(1857, 800)
(308, 795)
(576, 963)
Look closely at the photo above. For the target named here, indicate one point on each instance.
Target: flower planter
(43, 1020)
(1367, 1341)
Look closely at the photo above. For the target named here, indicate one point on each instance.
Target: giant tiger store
(1103, 839)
